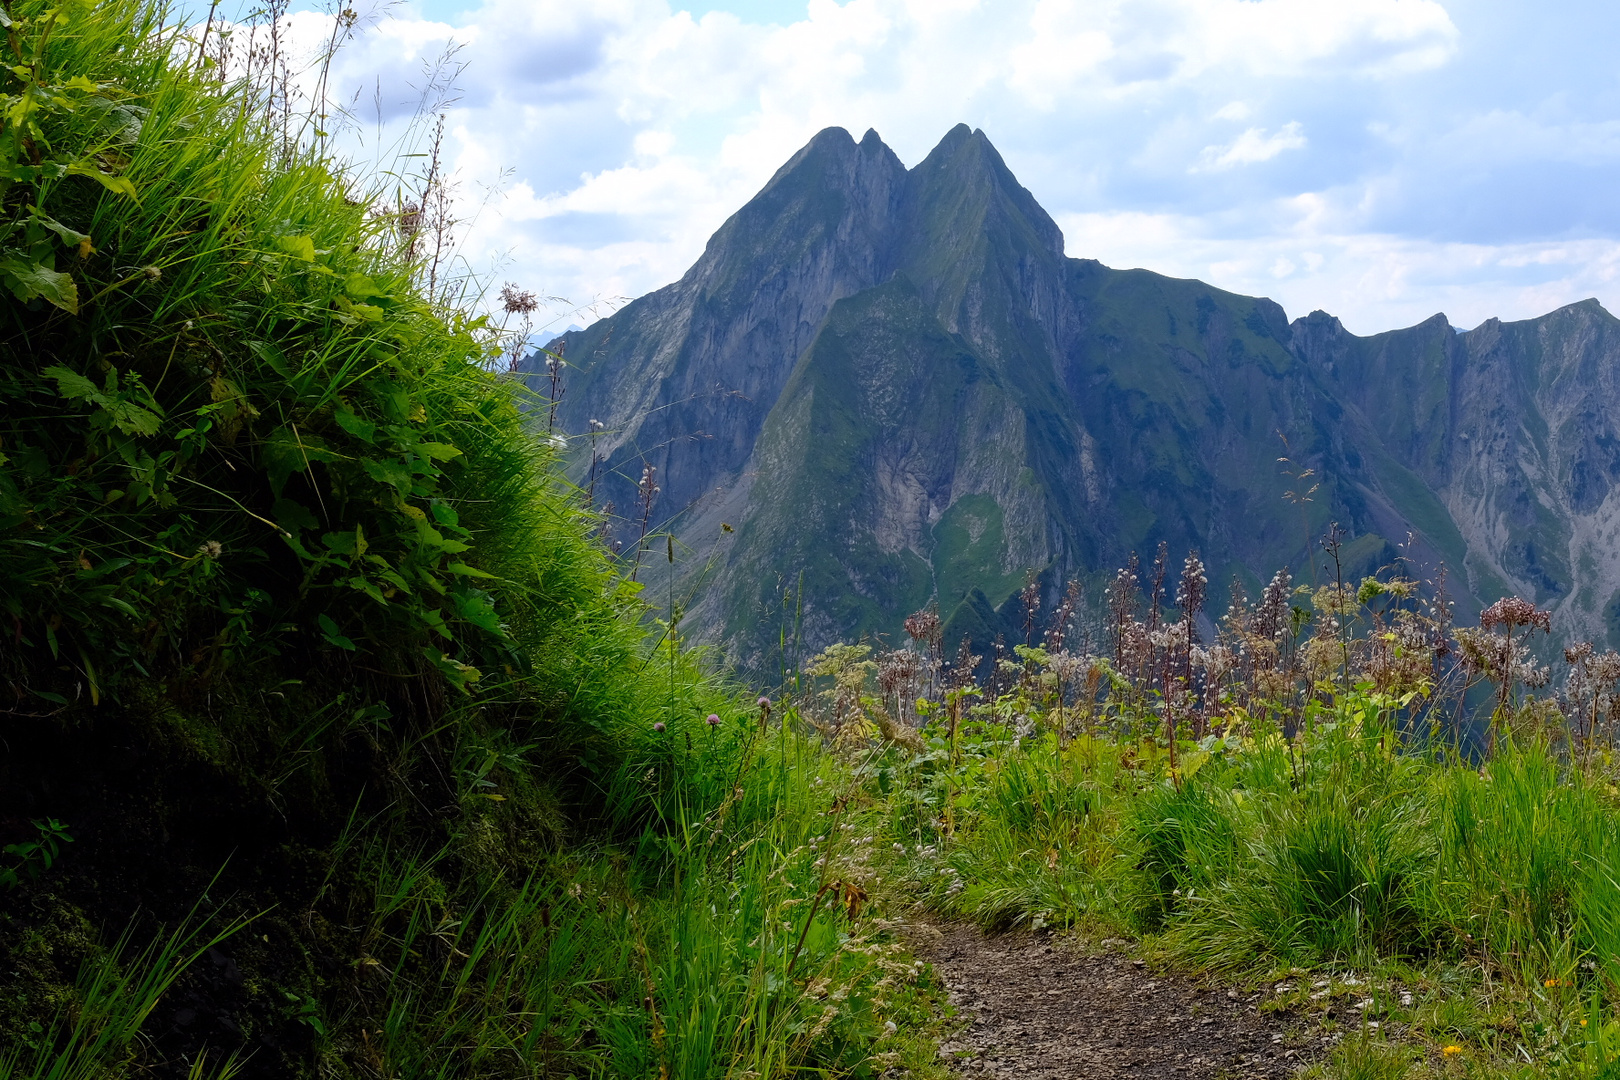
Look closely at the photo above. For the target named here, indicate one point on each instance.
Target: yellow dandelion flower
(1451, 1050)
(1583, 1023)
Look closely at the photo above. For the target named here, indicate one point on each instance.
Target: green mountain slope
(897, 388)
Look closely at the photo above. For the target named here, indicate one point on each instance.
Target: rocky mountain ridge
(897, 389)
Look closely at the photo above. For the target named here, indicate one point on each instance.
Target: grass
(1306, 795)
(309, 643)
(1484, 890)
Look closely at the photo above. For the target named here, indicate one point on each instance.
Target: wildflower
(764, 703)
(574, 890)
(1513, 611)
(556, 442)
(518, 301)
(1451, 1050)
(659, 726)
(211, 549)
(714, 720)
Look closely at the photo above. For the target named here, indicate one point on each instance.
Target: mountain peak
(966, 174)
(900, 394)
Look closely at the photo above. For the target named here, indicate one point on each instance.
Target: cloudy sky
(1381, 159)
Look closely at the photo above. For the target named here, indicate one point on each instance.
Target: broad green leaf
(118, 185)
(439, 451)
(360, 584)
(299, 247)
(70, 384)
(391, 472)
(356, 425)
(329, 630)
(346, 543)
(467, 571)
(28, 279)
(434, 538)
(476, 609)
(360, 286)
(71, 237)
(131, 419)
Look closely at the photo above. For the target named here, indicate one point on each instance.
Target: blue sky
(1380, 159)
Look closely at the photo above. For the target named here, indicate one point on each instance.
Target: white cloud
(623, 132)
(1253, 146)
(1372, 281)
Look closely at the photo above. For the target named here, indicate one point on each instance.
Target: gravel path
(1041, 1009)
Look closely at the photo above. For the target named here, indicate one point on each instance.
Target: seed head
(1513, 611)
(516, 301)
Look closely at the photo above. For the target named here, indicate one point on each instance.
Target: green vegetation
(1292, 804)
(335, 743)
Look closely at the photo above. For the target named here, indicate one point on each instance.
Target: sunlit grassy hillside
(334, 742)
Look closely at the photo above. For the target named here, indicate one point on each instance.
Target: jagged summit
(892, 382)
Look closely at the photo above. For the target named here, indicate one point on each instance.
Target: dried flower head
(1271, 617)
(1192, 588)
(1512, 611)
(516, 301)
(924, 625)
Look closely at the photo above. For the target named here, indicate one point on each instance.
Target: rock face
(898, 390)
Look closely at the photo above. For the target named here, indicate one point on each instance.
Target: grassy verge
(335, 743)
(1388, 887)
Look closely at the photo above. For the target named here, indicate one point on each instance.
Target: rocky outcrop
(894, 388)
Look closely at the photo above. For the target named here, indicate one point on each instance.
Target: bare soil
(1039, 1007)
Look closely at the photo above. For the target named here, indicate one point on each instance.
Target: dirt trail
(1041, 1009)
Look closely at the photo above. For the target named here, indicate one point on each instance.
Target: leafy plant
(33, 857)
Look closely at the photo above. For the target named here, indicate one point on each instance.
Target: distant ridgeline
(896, 388)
